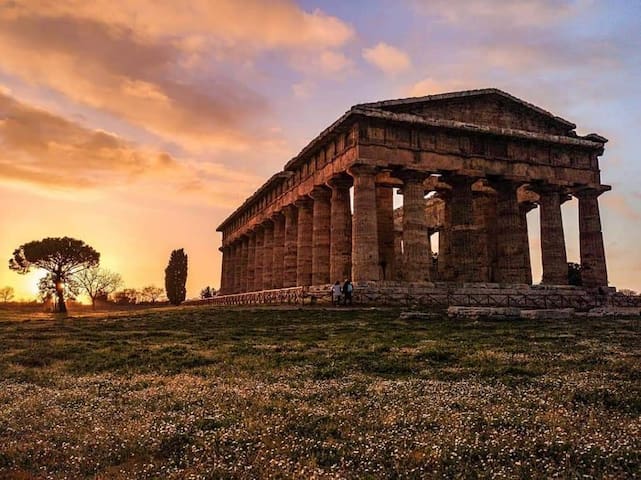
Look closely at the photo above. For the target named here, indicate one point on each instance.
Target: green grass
(290, 393)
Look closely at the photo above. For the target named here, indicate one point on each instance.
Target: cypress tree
(176, 277)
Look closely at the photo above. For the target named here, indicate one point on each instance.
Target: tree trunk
(60, 292)
(62, 308)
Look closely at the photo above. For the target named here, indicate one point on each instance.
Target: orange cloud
(40, 146)
(46, 150)
(388, 58)
(255, 24)
(430, 86)
(84, 61)
(162, 66)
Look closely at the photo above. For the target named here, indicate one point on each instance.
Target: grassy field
(209, 393)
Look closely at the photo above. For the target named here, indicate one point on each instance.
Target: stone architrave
(511, 244)
(291, 246)
(278, 250)
(321, 235)
(258, 258)
(462, 258)
(385, 224)
(244, 250)
(365, 262)
(340, 250)
(417, 254)
(593, 267)
(553, 253)
(268, 255)
(304, 241)
(251, 260)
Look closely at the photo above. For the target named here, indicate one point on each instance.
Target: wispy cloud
(162, 66)
(389, 59)
(536, 48)
(45, 150)
(620, 205)
(430, 86)
(513, 14)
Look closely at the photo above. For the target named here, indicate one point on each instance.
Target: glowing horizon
(139, 142)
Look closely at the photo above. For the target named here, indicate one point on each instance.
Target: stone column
(229, 276)
(593, 268)
(258, 258)
(251, 261)
(237, 266)
(223, 269)
(485, 219)
(524, 208)
(417, 254)
(365, 263)
(243, 263)
(385, 224)
(553, 253)
(444, 248)
(230, 269)
(278, 250)
(462, 257)
(340, 248)
(398, 253)
(321, 235)
(268, 255)
(511, 245)
(291, 246)
(304, 241)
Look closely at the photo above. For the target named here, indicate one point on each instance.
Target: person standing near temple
(348, 289)
(336, 293)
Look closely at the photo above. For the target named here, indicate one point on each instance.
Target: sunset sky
(139, 125)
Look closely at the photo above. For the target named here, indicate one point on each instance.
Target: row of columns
(317, 240)
(308, 242)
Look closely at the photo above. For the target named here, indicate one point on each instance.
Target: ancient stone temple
(469, 165)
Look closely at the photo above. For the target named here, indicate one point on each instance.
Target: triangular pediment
(487, 107)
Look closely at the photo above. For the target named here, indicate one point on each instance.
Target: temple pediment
(487, 107)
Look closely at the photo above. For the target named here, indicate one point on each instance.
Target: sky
(139, 125)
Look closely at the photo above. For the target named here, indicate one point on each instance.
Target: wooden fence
(529, 299)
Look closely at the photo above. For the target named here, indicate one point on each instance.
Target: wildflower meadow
(200, 392)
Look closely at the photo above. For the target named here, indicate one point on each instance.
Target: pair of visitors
(336, 293)
(348, 289)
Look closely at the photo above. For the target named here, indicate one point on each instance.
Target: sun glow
(26, 286)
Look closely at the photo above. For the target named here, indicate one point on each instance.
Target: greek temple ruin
(469, 165)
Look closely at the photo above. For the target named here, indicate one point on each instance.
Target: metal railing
(519, 300)
(281, 296)
(529, 300)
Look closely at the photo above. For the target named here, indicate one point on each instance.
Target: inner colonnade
(487, 157)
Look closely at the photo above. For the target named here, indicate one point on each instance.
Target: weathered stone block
(548, 314)
(420, 316)
(484, 313)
